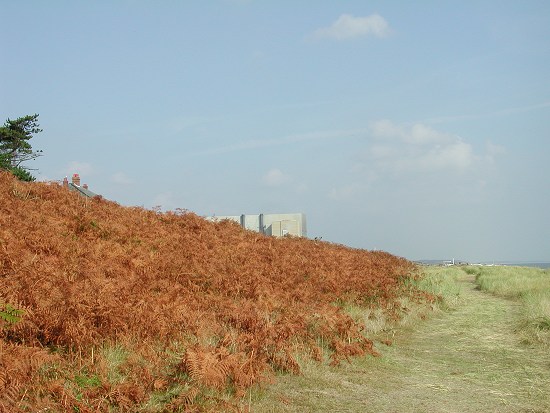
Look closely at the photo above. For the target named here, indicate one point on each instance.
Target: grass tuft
(443, 283)
(531, 287)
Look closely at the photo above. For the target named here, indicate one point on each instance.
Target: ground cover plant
(114, 309)
(530, 286)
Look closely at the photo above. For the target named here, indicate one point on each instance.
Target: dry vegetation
(467, 356)
(127, 309)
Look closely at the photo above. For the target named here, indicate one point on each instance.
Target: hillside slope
(127, 309)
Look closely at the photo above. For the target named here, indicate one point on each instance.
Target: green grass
(84, 380)
(113, 357)
(443, 282)
(380, 326)
(531, 288)
(511, 282)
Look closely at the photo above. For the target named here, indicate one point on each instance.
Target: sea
(544, 265)
(527, 264)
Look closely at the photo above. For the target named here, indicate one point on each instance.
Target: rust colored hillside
(127, 309)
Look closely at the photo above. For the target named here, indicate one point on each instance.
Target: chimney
(76, 179)
(85, 186)
(65, 182)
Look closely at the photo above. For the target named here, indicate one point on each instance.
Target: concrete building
(277, 225)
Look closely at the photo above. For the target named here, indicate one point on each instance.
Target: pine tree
(15, 148)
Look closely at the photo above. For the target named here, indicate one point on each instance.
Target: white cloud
(275, 177)
(419, 148)
(457, 155)
(421, 135)
(121, 178)
(348, 27)
(417, 134)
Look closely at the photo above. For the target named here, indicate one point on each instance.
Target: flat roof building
(277, 225)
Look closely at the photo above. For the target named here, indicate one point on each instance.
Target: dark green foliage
(22, 174)
(9, 314)
(15, 148)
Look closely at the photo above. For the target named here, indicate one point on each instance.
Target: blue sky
(420, 128)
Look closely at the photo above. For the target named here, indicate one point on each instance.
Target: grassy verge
(531, 287)
(443, 283)
(465, 356)
(381, 325)
(311, 388)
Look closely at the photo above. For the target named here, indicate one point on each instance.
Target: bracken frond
(90, 273)
(209, 368)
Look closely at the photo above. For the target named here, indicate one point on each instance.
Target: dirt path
(468, 360)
